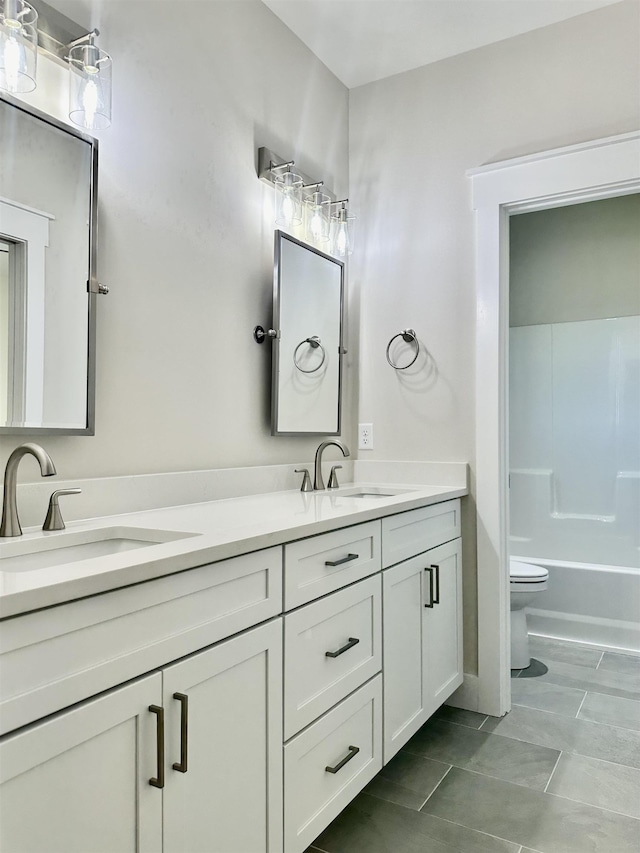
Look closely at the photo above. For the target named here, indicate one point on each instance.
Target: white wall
(413, 136)
(186, 237)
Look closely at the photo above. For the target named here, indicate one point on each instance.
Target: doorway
(587, 172)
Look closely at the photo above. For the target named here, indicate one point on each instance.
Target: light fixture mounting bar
(266, 172)
(56, 31)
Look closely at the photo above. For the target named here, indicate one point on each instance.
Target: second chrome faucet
(318, 482)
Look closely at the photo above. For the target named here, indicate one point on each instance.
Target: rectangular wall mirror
(307, 354)
(48, 200)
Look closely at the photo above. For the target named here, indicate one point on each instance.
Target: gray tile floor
(559, 774)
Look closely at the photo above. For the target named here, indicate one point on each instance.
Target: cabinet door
(229, 799)
(403, 653)
(79, 782)
(442, 636)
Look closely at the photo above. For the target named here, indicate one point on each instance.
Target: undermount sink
(69, 547)
(372, 492)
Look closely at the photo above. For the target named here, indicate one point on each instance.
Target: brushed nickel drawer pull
(353, 751)
(181, 766)
(353, 641)
(346, 559)
(158, 780)
(431, 601)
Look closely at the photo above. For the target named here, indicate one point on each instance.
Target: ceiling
(365, 40)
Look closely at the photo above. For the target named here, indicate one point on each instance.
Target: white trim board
(579, 173)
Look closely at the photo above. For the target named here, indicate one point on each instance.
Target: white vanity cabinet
(332, 681)
(422, 624)
(186, 759)
(223, 777)
(236, 707)
(79, 781)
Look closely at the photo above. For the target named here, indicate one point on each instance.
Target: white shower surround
(574, 446)
(598, 169)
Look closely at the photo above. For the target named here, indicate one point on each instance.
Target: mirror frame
(275, 362)
(92, 282)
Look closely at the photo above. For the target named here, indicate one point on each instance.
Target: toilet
(526, 580)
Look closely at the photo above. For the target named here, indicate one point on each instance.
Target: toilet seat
(526, 573)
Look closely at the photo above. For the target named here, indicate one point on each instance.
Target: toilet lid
(527, 572)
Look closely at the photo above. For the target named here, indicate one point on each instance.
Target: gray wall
(580, 262)
(413, 137)
(186, 231)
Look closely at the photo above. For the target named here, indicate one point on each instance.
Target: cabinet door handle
(353, 751)
(436, 600)
(346, 559)
(353, 641)
(158, 780)
(431, 601)
(181, 766)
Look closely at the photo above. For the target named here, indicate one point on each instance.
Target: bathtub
(588, 603)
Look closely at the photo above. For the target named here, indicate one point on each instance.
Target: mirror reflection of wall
(4, 324)
(307, 362)
(45, 218)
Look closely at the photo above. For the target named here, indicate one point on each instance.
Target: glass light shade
(318, 223)
(288, 199)
(343, 223)
(18, 46)
(89, 87)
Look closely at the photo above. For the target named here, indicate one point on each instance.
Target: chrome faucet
(318, 482)
(10, 524)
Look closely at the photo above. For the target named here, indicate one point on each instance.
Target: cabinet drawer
(314, 796)
(323, 564)
(331, 647)
(53, 658)
(410, 533)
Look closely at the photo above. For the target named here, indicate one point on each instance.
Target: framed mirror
(307, 354)
(48, 224)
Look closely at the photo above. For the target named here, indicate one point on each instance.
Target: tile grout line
(462, 725)
(577, 717)
(555, 767)
(594, 806)
(545, 746)
(479, 831)
(567, 717)
(436, 787)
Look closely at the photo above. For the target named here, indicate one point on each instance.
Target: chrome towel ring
(315, 343)
(409, 337)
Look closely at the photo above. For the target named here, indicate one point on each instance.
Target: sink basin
(372, 492)
(56, 549)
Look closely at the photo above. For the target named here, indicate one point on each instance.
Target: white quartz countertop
(215, 530)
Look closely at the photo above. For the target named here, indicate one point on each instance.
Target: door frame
(601, 168)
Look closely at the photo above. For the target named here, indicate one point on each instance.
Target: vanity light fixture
(288, 188)
(18, 46)
(325, 218)
(25, 27)
(89, 83)
(317, 207)
(343, 222)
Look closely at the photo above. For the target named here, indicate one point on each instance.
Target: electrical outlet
(365, 436)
